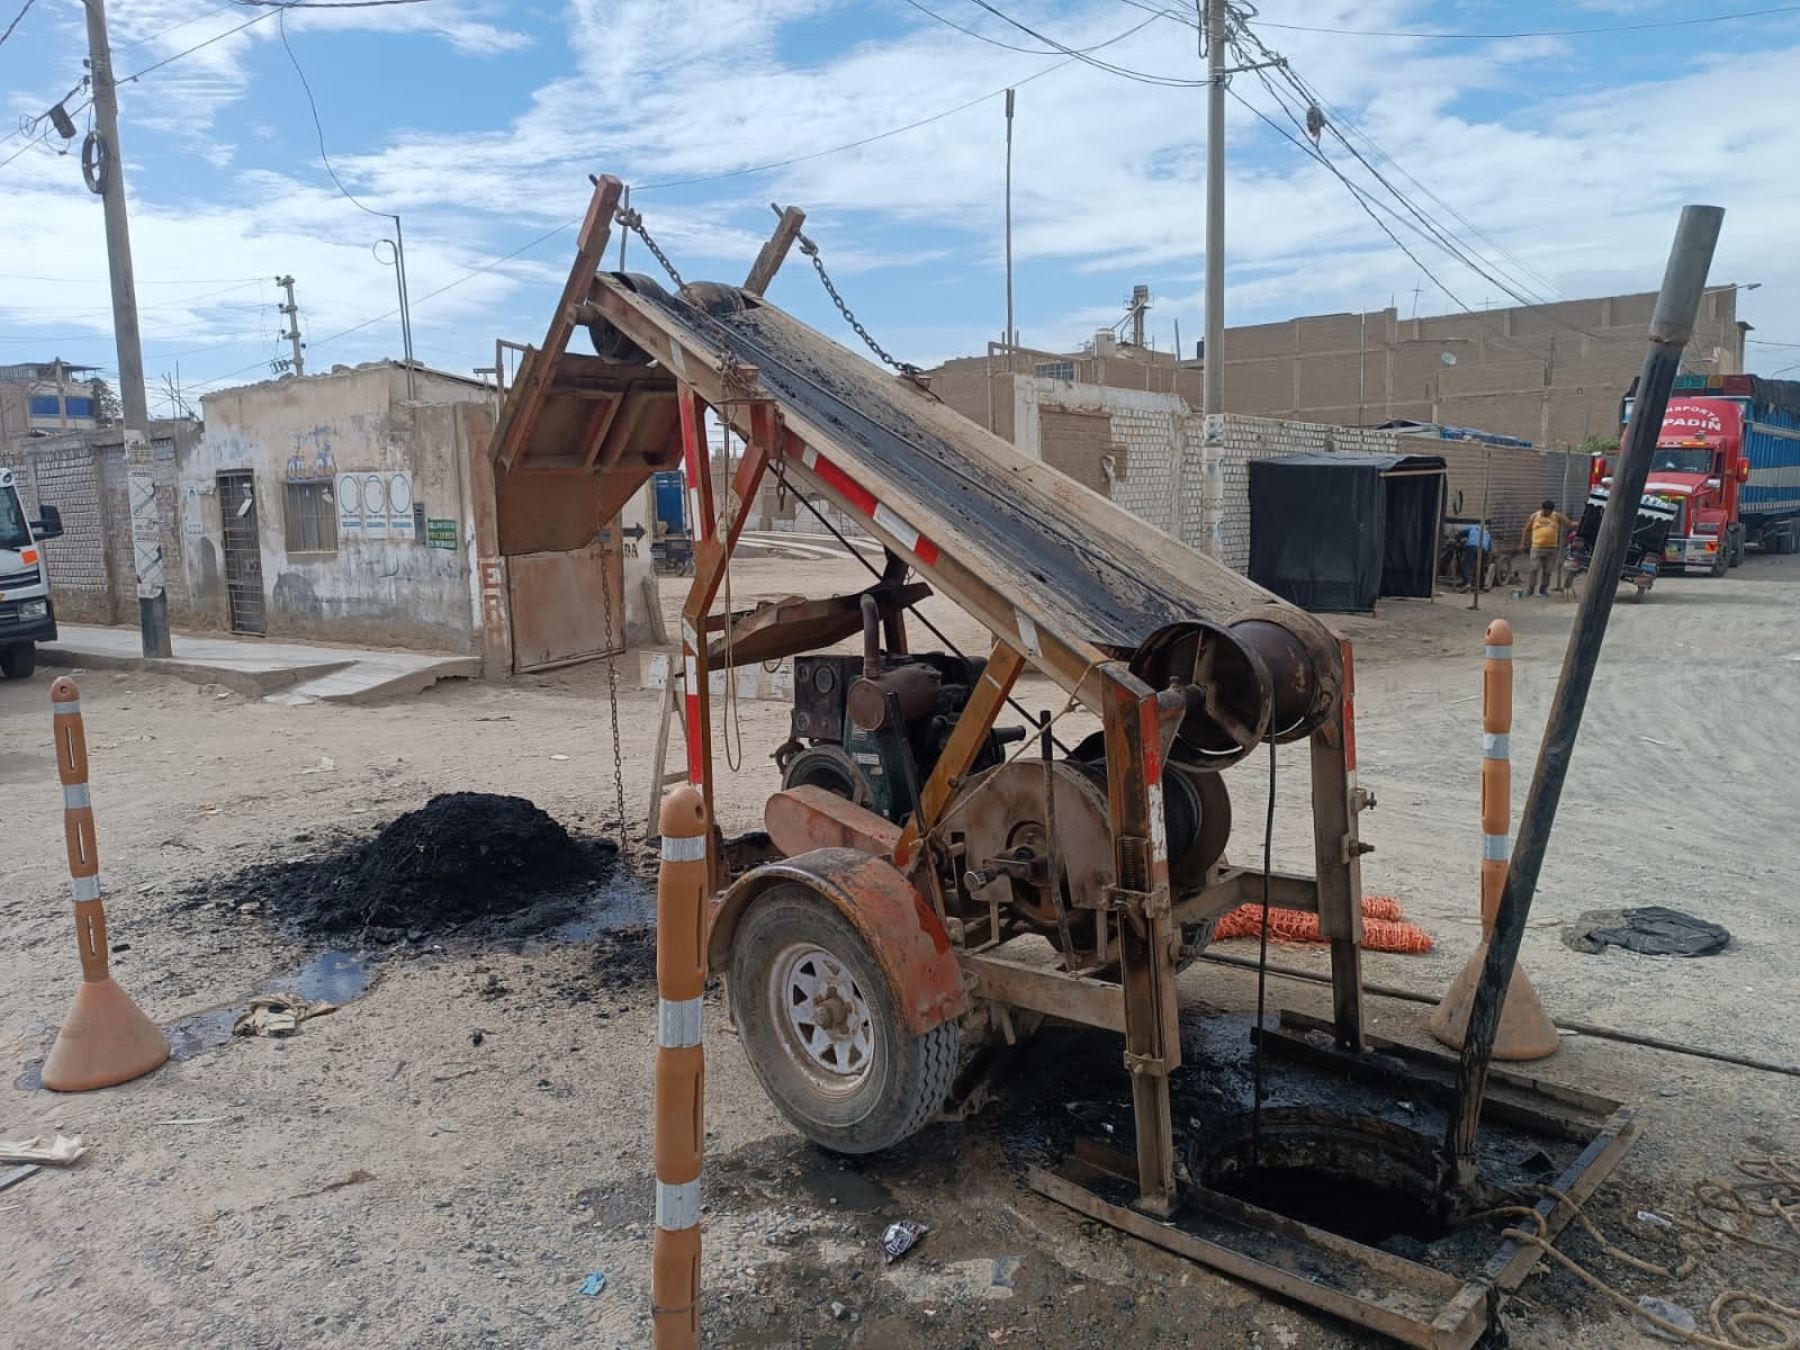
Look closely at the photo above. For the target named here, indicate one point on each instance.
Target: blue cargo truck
(1728, 459)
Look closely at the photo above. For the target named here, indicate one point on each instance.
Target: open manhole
(1352, 1175)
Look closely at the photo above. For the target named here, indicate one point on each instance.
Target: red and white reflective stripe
(867, 504)
(690, 641)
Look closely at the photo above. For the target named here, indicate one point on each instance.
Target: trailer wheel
(822, 1029)
(18, 661)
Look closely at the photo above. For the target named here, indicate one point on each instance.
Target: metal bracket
(1156, 904)
(1151, 1064)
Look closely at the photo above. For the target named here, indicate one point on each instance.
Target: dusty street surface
(445, 1159)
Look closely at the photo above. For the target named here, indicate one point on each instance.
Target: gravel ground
(444, 1160)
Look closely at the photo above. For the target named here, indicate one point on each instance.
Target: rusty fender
(896, 922)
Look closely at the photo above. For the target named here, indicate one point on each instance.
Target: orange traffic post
(1526, 1031)
(681, 888)
(106, 1039)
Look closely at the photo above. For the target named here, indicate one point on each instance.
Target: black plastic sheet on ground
(1650, 931)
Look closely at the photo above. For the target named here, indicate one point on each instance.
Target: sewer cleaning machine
(915, 847)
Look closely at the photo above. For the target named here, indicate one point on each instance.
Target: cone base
(105, 1040)
(1525, 1031)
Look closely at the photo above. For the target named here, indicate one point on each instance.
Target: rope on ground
(1744, 1329)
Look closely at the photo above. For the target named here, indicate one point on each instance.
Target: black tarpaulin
(1332, 532)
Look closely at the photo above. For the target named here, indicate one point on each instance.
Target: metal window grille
(311, 514)
(1054, 370)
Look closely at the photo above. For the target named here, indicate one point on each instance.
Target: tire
(1737, 548)
(17, 662)
(859, 1093)
(1721, 562)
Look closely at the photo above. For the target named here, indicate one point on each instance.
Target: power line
(318, 126)
(15, 23)
(979, 36)
(1142, 76)
(1645, 26)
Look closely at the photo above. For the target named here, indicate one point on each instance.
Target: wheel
(1737, 548)
(17, 662)
(822, 1030)
(1721, 560)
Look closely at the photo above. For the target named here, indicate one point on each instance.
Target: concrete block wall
(69, 477)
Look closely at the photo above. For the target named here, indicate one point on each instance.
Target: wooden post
(1337, 854)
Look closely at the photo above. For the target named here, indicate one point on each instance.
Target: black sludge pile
(461, 858)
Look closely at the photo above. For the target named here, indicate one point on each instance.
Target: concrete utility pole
(146, 518)
(291, 312)
(1212, 369)
(1213, 372)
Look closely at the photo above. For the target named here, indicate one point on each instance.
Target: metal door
(243, 553)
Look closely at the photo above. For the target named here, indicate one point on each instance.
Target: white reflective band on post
(1496, 848)
(75, 796)
(85, 888)
(677, 1207)
(1496, 745)
(692, 849)
(1498, 653)
(69, 709)
(809, 457)
(889, 521)
(677, 1023)
(693, 675)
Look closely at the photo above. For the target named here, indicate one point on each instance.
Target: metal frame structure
(695, 361)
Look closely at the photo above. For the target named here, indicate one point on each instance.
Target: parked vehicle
(27, 616)
(1728, 459)
(1643, 555)
(671, 546)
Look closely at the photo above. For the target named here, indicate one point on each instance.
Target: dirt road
(388, 1176)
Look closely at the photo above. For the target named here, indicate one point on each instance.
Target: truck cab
(27, 615)
(1698, 468)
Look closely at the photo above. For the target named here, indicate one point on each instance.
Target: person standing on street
(1544, 534)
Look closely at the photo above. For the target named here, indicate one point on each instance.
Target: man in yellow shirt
(1544, 533)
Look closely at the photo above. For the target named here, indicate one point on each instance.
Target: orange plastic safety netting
(1385, 928)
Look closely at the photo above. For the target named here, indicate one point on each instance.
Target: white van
(26, 614)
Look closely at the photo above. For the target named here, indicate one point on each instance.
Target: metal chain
(634, 221)
(612, 689)
(731, 372)
(811, 250)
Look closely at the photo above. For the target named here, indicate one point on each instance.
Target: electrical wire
(1004, 46)
(1645, 26)
(1142, 76)
(15, 23)
(318, 126)
(1429, 227)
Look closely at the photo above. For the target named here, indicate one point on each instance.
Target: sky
(1533, 167)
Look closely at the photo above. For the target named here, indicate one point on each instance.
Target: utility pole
(1012, 334)
(291, 312)
(1212, 368)
(1213, 392)
(146, 518)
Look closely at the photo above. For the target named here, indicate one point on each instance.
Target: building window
(1054, 370)
(311, 516)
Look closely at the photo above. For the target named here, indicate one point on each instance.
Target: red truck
(1728, 459)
